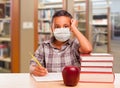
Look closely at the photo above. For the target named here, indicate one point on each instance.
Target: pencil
(35, 59)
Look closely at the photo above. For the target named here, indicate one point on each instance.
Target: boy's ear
(52, 27)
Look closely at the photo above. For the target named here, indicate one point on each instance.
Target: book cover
(97, 77)
(96, 69)
(97, 57)
(97, 64)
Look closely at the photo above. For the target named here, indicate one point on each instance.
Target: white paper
(49, 77)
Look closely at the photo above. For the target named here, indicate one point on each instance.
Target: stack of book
(97, 65)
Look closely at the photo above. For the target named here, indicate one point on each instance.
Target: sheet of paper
(49, 77)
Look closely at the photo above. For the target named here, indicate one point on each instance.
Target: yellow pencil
(35, 59)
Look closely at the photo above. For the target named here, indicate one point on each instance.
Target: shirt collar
(52, 39)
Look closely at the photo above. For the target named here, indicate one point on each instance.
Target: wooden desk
(25, 80)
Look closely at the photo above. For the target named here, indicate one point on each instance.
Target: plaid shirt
(55, 59)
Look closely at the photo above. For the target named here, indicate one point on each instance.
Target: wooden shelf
(2, 1)
(5, 59)
(77, 11)
(49, 7)
(3, 70)
(82, 20)
(100, 8)
(52, 3)
(5, 19)
(44, 33)
(5, 39)
(102, 42)
(44, 19)
(77, 1)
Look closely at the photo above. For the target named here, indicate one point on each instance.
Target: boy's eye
(66, 26)
(57, 26)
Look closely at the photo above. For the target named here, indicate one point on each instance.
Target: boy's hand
(74, 24)
(39, 71)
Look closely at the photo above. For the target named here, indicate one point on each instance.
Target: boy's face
(61, 22)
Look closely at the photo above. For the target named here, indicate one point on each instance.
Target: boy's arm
(35, 69)
(85, 46)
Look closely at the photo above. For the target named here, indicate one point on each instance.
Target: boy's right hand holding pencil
(38, 70)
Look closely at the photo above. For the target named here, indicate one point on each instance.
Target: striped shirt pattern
(55, 59)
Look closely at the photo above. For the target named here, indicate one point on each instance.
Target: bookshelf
(45, 12)
(72, 6)
(9, 36)
(101, 26)
(115, 25)
(5, 40)
(82, 12)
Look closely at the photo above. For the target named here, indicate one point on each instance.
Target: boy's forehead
(64, 17)
(61, 18)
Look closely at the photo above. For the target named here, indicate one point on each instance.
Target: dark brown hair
(61, 13)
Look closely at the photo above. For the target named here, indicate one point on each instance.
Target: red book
(97, 57)
(97, 77)
(96, 69)
(96, 64)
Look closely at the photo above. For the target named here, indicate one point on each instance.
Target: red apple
(71, 75)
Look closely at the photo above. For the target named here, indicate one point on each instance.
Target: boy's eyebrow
(56, 24)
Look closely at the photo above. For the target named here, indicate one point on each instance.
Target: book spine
(97, 58)
(96, 69)
(97, 64)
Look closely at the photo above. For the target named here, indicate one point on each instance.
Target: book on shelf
(5, 65)
(4, 51)
(97, 77)
(2, 10)
(1, 27)
(7, 10)
(6, 28)
(44, 27)
(45, 13)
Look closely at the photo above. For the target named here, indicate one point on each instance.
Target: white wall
(115, 6)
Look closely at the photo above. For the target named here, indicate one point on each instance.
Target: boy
(61, 49)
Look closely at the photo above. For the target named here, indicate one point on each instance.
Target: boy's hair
(61, 13)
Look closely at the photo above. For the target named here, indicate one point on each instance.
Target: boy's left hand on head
(74, 23)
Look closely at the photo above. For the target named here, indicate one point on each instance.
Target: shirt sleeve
(76, 46)
(39, 55)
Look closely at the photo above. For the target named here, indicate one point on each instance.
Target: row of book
(44, 27)
(4, 10)
(4, 28)
(5, 65)
(4, 49)
(48, 13)
(97, 68)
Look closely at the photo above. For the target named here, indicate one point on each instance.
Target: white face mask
(62, 34)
